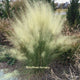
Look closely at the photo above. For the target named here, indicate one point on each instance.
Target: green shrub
(73, 13)
(53, 5)
(37, 36)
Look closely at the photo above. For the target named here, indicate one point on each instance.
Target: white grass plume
(37, 34)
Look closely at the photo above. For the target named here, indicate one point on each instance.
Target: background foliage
(73, 13)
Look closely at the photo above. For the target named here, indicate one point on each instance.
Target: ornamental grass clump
(37, 35)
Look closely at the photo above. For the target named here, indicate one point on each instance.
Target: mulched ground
(57, 71)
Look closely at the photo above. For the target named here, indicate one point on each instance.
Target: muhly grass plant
(37, 35)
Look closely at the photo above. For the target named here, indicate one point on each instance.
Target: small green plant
(5, 56)
(9, 59)
(37, 36)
